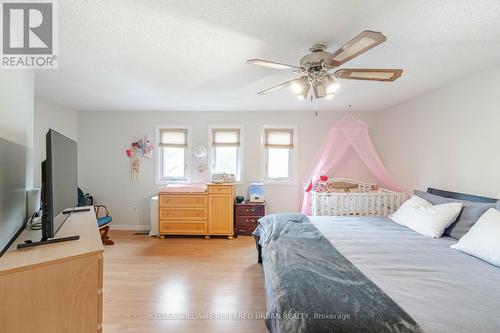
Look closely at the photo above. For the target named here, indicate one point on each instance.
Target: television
(13, 183)
(59, 182)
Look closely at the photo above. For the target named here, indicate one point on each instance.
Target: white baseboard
(132, 227)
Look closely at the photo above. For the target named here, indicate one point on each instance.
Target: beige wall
(447, 139)
(103, 165)
(50, 116)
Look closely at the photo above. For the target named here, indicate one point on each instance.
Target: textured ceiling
(190, 55)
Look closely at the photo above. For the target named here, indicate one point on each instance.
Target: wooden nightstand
(246, 215)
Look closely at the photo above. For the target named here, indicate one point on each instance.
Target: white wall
(16, 111)
(103, 138)
(50, 116)
(447, 139)
(16, 142)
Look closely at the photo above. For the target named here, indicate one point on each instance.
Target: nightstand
(246, 215)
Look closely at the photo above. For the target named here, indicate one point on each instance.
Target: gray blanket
(311, 287)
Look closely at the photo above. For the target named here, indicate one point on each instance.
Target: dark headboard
(460, 196)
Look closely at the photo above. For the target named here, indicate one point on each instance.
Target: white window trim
(292, 180)
(241, 161)
(163, 181)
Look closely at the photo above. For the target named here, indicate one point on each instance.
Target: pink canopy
(348, 147)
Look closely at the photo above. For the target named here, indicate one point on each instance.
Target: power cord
(34, 226)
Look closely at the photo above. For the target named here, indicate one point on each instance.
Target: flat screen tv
(13, 166)
(59, 182)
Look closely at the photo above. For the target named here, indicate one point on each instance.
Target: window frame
(159, 156)
(292, 179)
(240, 154)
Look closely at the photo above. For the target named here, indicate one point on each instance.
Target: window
(279, 144)
(226, 150)
(173, 154)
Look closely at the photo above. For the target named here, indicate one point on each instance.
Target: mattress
(442, 289)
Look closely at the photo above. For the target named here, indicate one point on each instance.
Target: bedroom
(159, 93)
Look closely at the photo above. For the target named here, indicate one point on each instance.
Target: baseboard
(132, 227)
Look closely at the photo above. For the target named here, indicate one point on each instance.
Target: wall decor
(140, 148)
(200, 153)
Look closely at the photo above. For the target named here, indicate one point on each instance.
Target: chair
(103, 221)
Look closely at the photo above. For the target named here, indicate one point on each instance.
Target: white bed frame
(364, 202)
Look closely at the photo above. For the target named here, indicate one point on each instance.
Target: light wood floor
(146, 277)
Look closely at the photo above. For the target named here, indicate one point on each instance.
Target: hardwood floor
(148, 279)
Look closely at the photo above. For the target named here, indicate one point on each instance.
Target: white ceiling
(190, 55)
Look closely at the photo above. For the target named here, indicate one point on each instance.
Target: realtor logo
(29, 38)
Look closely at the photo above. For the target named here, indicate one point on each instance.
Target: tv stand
(45, 241)
(57, 288)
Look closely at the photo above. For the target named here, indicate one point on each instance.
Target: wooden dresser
(54, 288)
(209, 213)
(246, 215)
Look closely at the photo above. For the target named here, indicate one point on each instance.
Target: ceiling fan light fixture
(319, 91)
(298, 86)
(330, 96)
(330, 84)
(333, 87)
(304, 94)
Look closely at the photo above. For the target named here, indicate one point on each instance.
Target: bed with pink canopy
(348, 177)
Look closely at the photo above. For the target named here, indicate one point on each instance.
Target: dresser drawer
(183, 213)
(214, 189)
(250, 210)
(183, 200)
(182, 227)
(246, 228)
(247, 220)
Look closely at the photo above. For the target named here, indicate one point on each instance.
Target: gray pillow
(471, 212)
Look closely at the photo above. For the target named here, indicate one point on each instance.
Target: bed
(442, 290)
(353, 198)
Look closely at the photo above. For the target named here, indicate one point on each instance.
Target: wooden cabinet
(220, 211)
(54, 288)
(246, 216)
(208, 213)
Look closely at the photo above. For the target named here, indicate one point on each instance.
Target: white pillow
(421, 216)
(483, 239)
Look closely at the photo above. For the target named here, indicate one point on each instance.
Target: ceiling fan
(316, 81)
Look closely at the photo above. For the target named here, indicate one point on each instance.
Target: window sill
(172, 181)
(280, 183)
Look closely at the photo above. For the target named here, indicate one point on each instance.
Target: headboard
(460, 196)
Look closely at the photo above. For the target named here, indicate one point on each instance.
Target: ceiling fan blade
(279, 86)
(369, 74)
(271, 64)
(358, 45)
